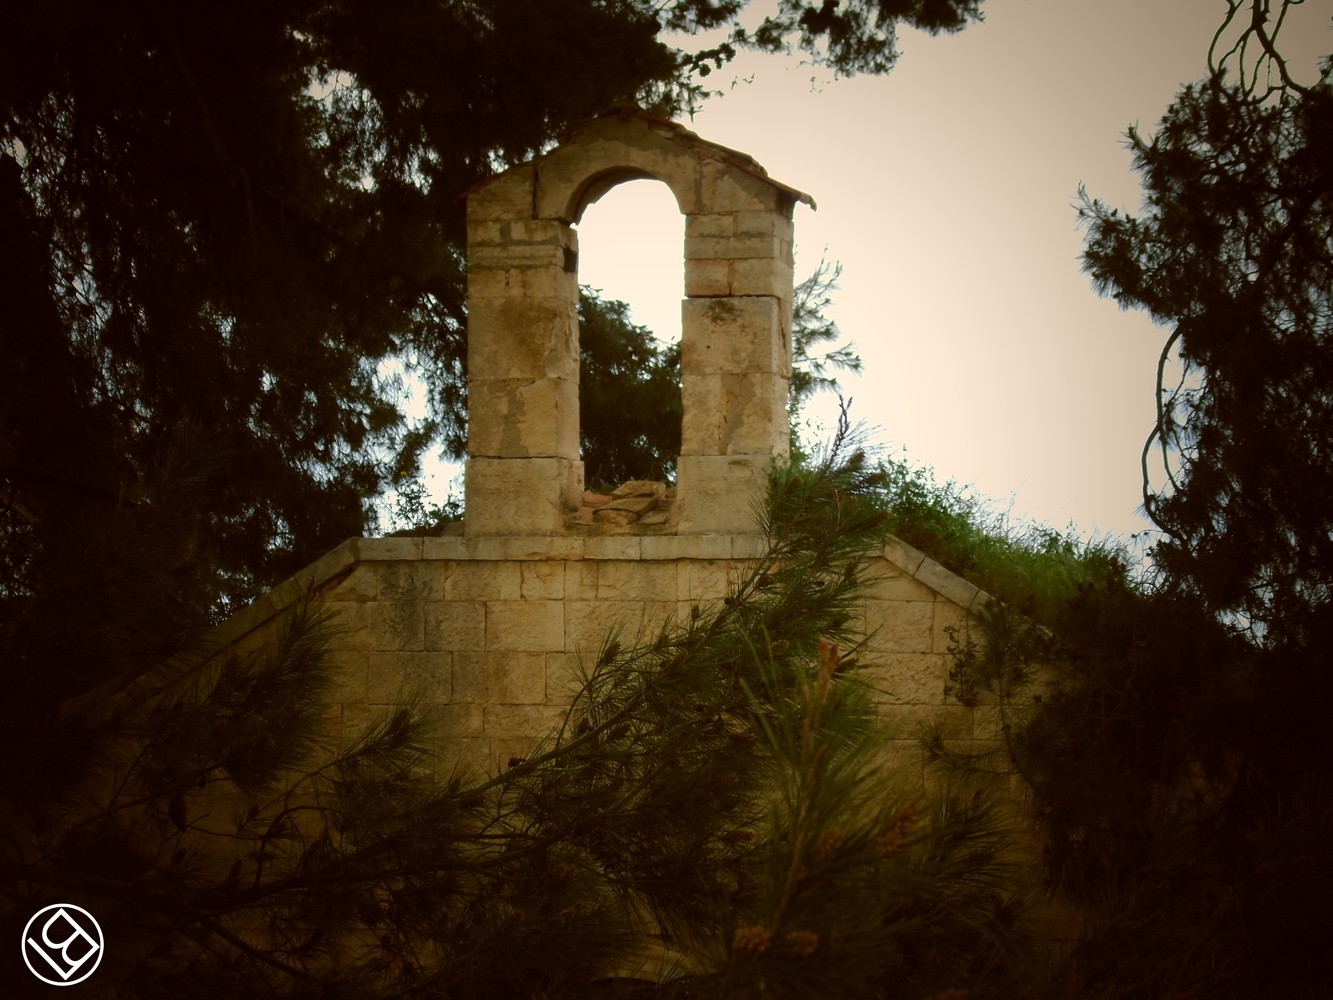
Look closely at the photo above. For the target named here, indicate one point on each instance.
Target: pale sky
(946, 191)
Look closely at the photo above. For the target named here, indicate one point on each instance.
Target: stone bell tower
(523, 473)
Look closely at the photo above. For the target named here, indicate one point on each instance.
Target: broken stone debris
(639, 500)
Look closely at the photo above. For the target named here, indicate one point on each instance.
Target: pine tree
(715, 791)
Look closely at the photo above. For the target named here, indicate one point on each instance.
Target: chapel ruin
(487, 624)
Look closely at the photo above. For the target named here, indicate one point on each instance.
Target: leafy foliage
(1173, 730)
(232, 215)
(629, 397)
(1234, 253)
(715, 790)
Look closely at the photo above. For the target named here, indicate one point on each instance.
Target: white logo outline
(97, 949)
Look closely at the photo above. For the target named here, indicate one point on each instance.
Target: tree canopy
(231, 215)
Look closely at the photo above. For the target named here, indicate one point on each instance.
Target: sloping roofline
(734, 157)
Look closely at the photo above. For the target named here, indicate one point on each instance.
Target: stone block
(902, 555)
(510, 256)
(900, 626)
(899, 587)
(543, 548)
(717, 494)
(564, 678)
(763, 276)
(749, 546)
(523, 338)
(709, 580)
(911, 678)
(361, 584)
(734, 246)
(946, 583)
(636, 581)
(686, 547)
(655, 615)
(520, 496)
(457, 719)
(590, 624)
(388, 549)
(727, 189)
(528, 626)
(443, 548)
(523, 418)
(531, 722)
(708, 278)
(711, 225)
(948, 615)
(397, 677)
(455, 625)
(764, 224)
(348, 677)
(484, 580)
(500, 678)
(729, 335)
(550, 282)
(734, 415)
(381, 625)
(581, 581)
(418, 580)
(508, 196)
(543, 581)
(609, 547)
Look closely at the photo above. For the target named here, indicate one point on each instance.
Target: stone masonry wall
(489, 632)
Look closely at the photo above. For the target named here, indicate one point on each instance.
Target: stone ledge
(946, 583)
(542, 548)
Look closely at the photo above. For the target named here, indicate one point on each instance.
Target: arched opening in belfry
(631, 277)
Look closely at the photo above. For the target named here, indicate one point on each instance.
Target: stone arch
(524, 474)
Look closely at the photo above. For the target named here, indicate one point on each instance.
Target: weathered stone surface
(725, 189)
(636, 581)
(738, 414)
(360, 584)
(523, 418)
(632, 505)
(531, 626)
(639, 488)
(348, 674)
(518, 496)
(613, 515)
(484, 581)
(455, 625)
(506, 678)
(543, 581)
(589, 623)
(521, 721)
(411, 581)
(912, 678)
(718, 492)
(900, 626)
(732, 335)
(381, 625)
(508, 196)
(396, 677)
(523, 338)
